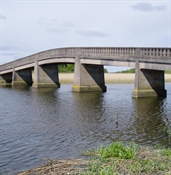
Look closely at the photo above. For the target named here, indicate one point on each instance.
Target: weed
(118, 149)
(158, 146)
(166, 152)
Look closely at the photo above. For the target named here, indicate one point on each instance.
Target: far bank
(110, 78)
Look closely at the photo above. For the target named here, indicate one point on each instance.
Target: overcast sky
(31, 26)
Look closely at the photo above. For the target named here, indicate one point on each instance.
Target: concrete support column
(22, 77)
(6, 79)
(46, 76)
(88, 77)
(148, 83)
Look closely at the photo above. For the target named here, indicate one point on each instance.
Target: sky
(31, 26)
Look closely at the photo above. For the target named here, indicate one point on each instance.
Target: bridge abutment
(22, 77)
(88, 77)
(149, 83)
(46, 76)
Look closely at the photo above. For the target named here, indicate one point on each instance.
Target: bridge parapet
(144, 52)
(106, 51)
(156, 52)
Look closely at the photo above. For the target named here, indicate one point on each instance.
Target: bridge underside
(88, 76)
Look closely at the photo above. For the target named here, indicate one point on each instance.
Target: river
(57, 123)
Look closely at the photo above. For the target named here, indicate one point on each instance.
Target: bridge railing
(107, 51)
(143, 52)
(156, 52)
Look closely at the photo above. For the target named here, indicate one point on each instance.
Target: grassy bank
(116, 158)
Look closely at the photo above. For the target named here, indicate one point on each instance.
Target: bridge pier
(88, 77)
(6, 79)
(46, 76)
(148, 83)
(22, 77)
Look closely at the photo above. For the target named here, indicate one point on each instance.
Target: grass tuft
(118, 158)
(118, 149)
(166, 152)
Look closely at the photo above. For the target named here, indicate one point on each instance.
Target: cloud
(92, 33)
(54, 25)
(8, 53)
(53, 30)
(67, 24)
(11, 53)
(148, 7)
(5, 48)
(2, 16)
(159, 8)
(41, 21)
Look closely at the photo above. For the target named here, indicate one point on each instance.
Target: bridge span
(89, 62)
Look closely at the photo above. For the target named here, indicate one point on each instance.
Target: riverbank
(114, 159)
(110, 78)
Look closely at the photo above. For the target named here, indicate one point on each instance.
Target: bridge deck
(94, 55)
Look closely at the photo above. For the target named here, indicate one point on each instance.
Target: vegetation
(105, 70)
(132, 70)
(68, 68)
(118, 158)
(168, 72)
(118, 149)
(114, 159)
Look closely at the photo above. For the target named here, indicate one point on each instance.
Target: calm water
(56, 123)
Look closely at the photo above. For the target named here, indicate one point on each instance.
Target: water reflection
(88, 106)
(151, 117)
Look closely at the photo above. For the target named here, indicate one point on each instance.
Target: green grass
(118, 158)
(166, 152)
(118, 149)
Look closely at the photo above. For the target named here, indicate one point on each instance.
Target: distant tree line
(168, 72)
(132, 70)
(66, 68)
(69, 68)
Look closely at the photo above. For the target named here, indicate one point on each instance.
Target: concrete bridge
(150, 64)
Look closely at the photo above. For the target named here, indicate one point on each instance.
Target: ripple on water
(57, 123)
